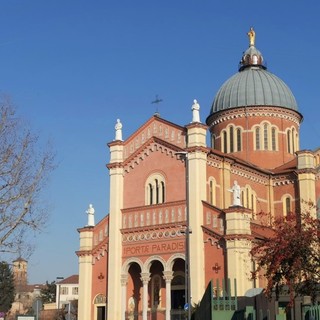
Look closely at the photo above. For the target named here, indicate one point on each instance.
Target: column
(197, 180)
(116, 172)
(124, 282)
(168, 276)
(307, 185)
(85, 273)
(145, 278)
(238, 246)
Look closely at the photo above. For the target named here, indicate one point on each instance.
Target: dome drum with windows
(254, 114)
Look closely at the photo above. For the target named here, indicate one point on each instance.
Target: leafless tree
(24, 170)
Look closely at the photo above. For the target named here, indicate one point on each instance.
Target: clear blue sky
(73, 67)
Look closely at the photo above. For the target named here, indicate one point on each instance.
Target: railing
(154, 215)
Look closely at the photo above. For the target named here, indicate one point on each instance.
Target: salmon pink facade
(185, 199)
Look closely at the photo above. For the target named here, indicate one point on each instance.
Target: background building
(25, 294)
(208, 178)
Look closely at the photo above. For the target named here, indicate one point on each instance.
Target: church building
(184, 199)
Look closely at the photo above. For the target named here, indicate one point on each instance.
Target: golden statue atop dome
(252, 37)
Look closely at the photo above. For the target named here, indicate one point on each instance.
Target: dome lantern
(253, 85)
(252, 57)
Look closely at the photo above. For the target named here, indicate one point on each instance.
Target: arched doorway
(178, 288)
(134, 287)
(100, 303)
(156, 288)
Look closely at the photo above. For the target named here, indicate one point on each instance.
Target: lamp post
(183, 155)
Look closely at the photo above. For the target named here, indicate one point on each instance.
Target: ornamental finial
(252, 37)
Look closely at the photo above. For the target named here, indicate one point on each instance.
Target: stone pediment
(143, 152)
(154, 128)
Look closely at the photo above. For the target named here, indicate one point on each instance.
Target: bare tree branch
(24, 170)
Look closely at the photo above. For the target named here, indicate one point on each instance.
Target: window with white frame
(286, 204)
(231, 139)
(265, 137)
(292, 140)
(155, 189)
(64, 290)
(75, 290)
(249, 198)
(212, 191)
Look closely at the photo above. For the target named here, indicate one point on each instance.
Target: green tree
(289, 255)
(6, 287)
(48, 293)
(24, 169)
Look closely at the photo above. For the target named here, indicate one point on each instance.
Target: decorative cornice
(81, 253)
(197, 125)
(231, 237)
(151, 235)
(255, 111)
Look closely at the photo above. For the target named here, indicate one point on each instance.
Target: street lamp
(183, 155)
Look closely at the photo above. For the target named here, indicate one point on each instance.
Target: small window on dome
(254, 59)
(289, 140)
(257, 134)
(273, 136)
(265, 136)
(238, 139)
(231, 139)
(225, 142)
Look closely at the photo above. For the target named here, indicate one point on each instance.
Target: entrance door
(177, 299)
(101, 313)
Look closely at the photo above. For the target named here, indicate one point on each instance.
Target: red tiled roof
(74, 279)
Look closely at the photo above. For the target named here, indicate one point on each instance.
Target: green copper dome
(253, 85)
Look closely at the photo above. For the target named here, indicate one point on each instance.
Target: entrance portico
(147, 287)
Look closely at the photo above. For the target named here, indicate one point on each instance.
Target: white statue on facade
(90, 213)
(195, 111)
(118, 128)
(236, 194)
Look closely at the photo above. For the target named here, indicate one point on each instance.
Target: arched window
(287, 204)
(150, 191)
(225, 142)
(155, 190)
(163, 192)
(265, 136)
(212, 191)
(257, 136)
(231, 138)
(213, 141)
(249, 197)
(238, 139)
(289, 140)
(293, 142)
(273, 139)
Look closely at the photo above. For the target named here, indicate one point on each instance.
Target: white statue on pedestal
(195, 111)
(90, 213)
(118, 128)
(236, 194)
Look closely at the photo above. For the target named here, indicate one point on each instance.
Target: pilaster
(238, 247)
(115, 241)
(85, 273)
(307, 177)
(197, 178)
